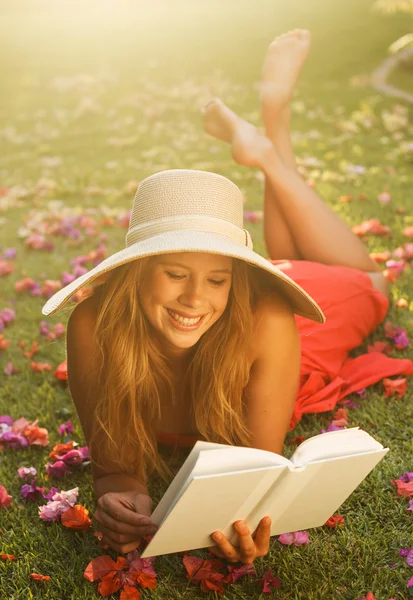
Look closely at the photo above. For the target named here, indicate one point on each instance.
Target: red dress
(353, 309)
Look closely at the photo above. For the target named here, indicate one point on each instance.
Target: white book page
(345, 442)
(295, 498)
(207, 458)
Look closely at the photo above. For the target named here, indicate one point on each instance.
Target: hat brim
(192, 241)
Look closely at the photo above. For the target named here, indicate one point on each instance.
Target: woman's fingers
(122, 528)
(122, 548)
(227, 549)
(109, 503)
(247, 547)
(262, 536)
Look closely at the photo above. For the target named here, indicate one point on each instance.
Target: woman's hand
(249, 547)
(124, 519)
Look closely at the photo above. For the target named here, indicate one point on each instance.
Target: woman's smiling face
(183, 295)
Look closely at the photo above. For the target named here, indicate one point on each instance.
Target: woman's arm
(274, 379)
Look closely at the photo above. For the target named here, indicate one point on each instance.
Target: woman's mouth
(184, 324)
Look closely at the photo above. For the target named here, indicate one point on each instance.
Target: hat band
(193, 222)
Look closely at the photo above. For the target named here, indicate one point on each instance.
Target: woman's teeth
(183, 320)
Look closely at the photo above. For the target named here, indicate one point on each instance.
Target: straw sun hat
(182, 210)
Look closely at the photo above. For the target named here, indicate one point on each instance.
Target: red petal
(38, 577)
(76, 518)
(99, 567)
(7, 557)
(192, 564)
(109, 584)
(145, 580)
(130, 593)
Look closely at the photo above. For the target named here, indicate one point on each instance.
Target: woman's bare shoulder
(271, 307)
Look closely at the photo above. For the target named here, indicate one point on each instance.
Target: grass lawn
(93, 101)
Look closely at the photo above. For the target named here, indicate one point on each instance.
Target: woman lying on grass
(189, 334)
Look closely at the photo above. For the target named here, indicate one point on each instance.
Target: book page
(312, 495)
(208, 458)
(296, 498)
(210, 503)
(333, 444)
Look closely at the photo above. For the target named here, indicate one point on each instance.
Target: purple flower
(10, 253)
(51, 511)
(331, 427)
(6, 419)
(26, 472)
(361, 393)
(298, 538)
(84, 450)
(66, 428)
(407, 553)
(73, 457)
(9, 369)
(410, 505)
(7, 315)
(57, 469)
(31, 490)
(406, 477)
(401, 340)
(50, 493)
(67, 278)
(13, 440)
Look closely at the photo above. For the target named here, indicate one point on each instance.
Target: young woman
(188, 334)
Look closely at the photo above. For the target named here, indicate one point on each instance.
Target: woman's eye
(213, 281)
(221, 282)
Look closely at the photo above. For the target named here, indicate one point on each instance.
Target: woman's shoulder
(272, 311)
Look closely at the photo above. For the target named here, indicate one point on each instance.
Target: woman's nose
(192, 295)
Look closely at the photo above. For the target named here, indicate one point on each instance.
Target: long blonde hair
(135, 375)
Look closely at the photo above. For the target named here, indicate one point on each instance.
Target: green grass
(165, 64)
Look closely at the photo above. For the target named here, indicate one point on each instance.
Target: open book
(219, 484)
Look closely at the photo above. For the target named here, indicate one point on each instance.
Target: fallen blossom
(268, 581)
(334, 521)
(76, 518)
(402, 303)
(26, 472)
(371, 227)
(236, 573)
(36, 435)
(407, 553)
(7, 557)
(9, 369)
(340, 418)
(380, 347)
(403, 488)
(30, 491)
(5, 498)
(39, 577)
(331, 427)
(57, 470)
(66, 428)
(298, 538)
(384, 198)
(393, 387)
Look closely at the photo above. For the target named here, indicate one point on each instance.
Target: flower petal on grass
(269, 580)
(26, 472)
(236, 572)
(298, 538)
(38, 577)
(403, 489)
(7, 557)
(129, 593)
(76, 518)
(5, 498)
(334, 521)
(393, 387)
(109, 584)
(99, 567)
(58, 469)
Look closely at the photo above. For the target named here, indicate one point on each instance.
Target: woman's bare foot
(282, 65)
(249, 146)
